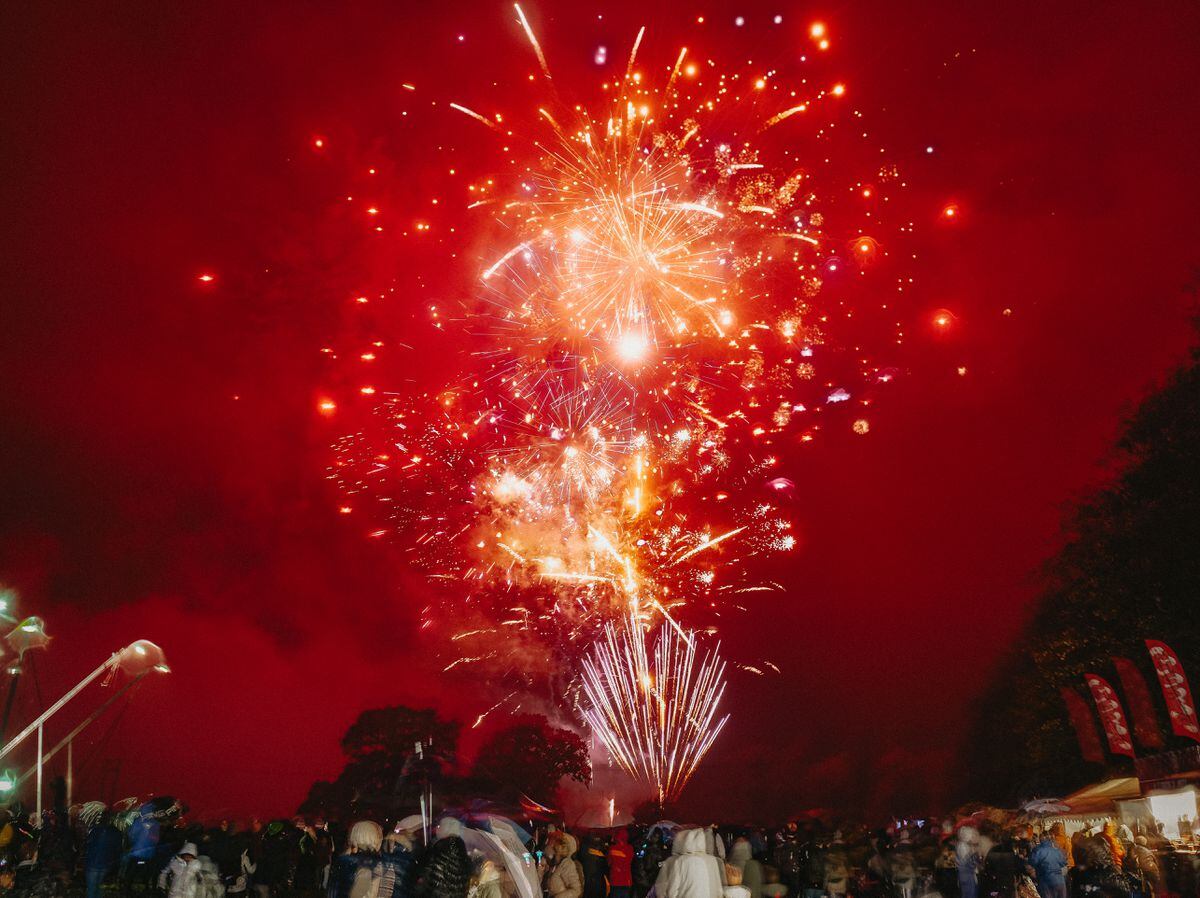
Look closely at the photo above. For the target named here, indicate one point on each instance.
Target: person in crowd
(902, 869)
(486, 881)
(733, 883)
(57, 838)
(1049, 865)
(741, 856)
(1002, 867)
(648, 862)
(966, 854)
(356, 871)
(690, 871)
(789, 860)
(1144, 865)
(101, 846)
(274, 860)
(1113, 842)
(396, 858)
(593, 860)
(836, 879)
(1058, 834)
(945, 870)
(561, 875)
(444, 871)
(620, 866)
(181, 877)
(137, 864)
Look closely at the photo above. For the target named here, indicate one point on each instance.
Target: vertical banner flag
(1112, 718)
(1175, 690)
(1141, 707)
(1085, 729)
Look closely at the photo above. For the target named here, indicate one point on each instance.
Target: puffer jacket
(562, 878)
(690, 871)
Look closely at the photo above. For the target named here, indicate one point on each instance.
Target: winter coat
(1048, 861)
(102, 849)
(489, 883)
(1002, 870)
(355, 875)
(1145, 864)
(180, 878)
(143, 838)
(208, 880)
(395, 865)
(620, 862)
(690, 871)
(563, 878)
(594, 861)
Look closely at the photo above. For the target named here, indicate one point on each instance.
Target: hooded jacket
(620, 861)
(181, 878)
(690, 871)
(562, 878)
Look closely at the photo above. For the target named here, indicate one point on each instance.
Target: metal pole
(39, 777)
(70, 771)
(56, 707)
(88, 721)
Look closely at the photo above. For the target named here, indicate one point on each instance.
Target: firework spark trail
(654, 710)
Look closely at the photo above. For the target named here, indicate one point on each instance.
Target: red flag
(1085, 729)
(1141, 708)
(1112, 717)
(1175, 690)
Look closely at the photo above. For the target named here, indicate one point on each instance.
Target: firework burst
(648, 333)
(655, 706)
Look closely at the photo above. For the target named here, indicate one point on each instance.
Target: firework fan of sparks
(649, 329)
(655, 709)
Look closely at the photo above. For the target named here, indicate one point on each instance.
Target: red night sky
(146, 143)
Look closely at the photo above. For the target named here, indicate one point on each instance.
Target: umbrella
(1043, 806)
(519, 864)
(667, 827)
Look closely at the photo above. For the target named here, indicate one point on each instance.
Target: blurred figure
(648, 862)
(741, 856)
(181, 877)
(397, 858)
(903, 870)
(1058, 833)
(1145, 866)
(101, 846)
(1002, 868)
(445, 871)
(945, 871)
(733, 883)
(620, 866)
(966, 856)
(1049, 865)
(487, 881)
(1115, 849)
(356, 872)
(837, 873)
(594, 861)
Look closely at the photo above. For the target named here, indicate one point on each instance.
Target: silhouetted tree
(530, 757)
(1130, 570)
(382, 773)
